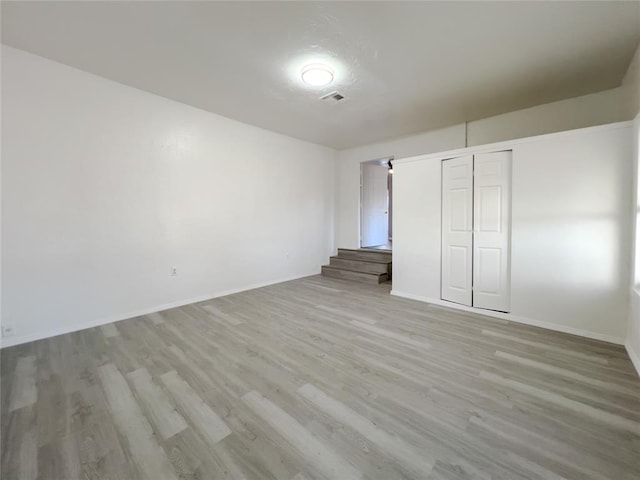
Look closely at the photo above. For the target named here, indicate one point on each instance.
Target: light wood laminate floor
(318, 379)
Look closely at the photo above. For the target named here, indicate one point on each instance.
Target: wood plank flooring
(318, 379)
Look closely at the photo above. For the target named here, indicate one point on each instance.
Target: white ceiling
(403, 67)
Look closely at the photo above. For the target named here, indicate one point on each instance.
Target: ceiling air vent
(333, 96)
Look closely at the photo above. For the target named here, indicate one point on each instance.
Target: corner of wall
(632, 343)
(634, 356)
(348, 173)
(631, 81)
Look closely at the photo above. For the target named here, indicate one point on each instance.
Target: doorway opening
(376, 203)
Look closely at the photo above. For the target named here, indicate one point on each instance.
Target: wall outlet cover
(7, 330)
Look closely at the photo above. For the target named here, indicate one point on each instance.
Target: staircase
(364, 265)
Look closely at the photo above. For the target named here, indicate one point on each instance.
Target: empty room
(320, 240)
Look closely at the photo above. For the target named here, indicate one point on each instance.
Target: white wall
(596, 109)
(105, 187)
(417, 189)
(632, 82)
(633, 331)
(571, 233)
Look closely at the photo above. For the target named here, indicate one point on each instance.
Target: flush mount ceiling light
(317, 74)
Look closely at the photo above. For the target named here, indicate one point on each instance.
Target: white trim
(508, 144)
(635, 288)
(360, 202)
(634, 356)
(515, 318)
(11, 341)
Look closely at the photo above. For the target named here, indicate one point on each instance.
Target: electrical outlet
(174, 271)
(7, 330)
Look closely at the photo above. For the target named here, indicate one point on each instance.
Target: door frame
(383, 161)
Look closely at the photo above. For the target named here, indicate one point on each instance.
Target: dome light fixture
(317, 74)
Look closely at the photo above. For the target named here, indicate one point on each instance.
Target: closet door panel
(492, 220)
(457, 224)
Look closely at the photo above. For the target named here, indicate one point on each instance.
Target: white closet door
(492, 220)
(457, 235)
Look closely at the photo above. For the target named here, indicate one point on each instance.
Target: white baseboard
(11, 341)
(515, 318)
(634, 356)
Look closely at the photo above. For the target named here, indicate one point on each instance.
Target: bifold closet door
(491, 226)
(457, 224)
